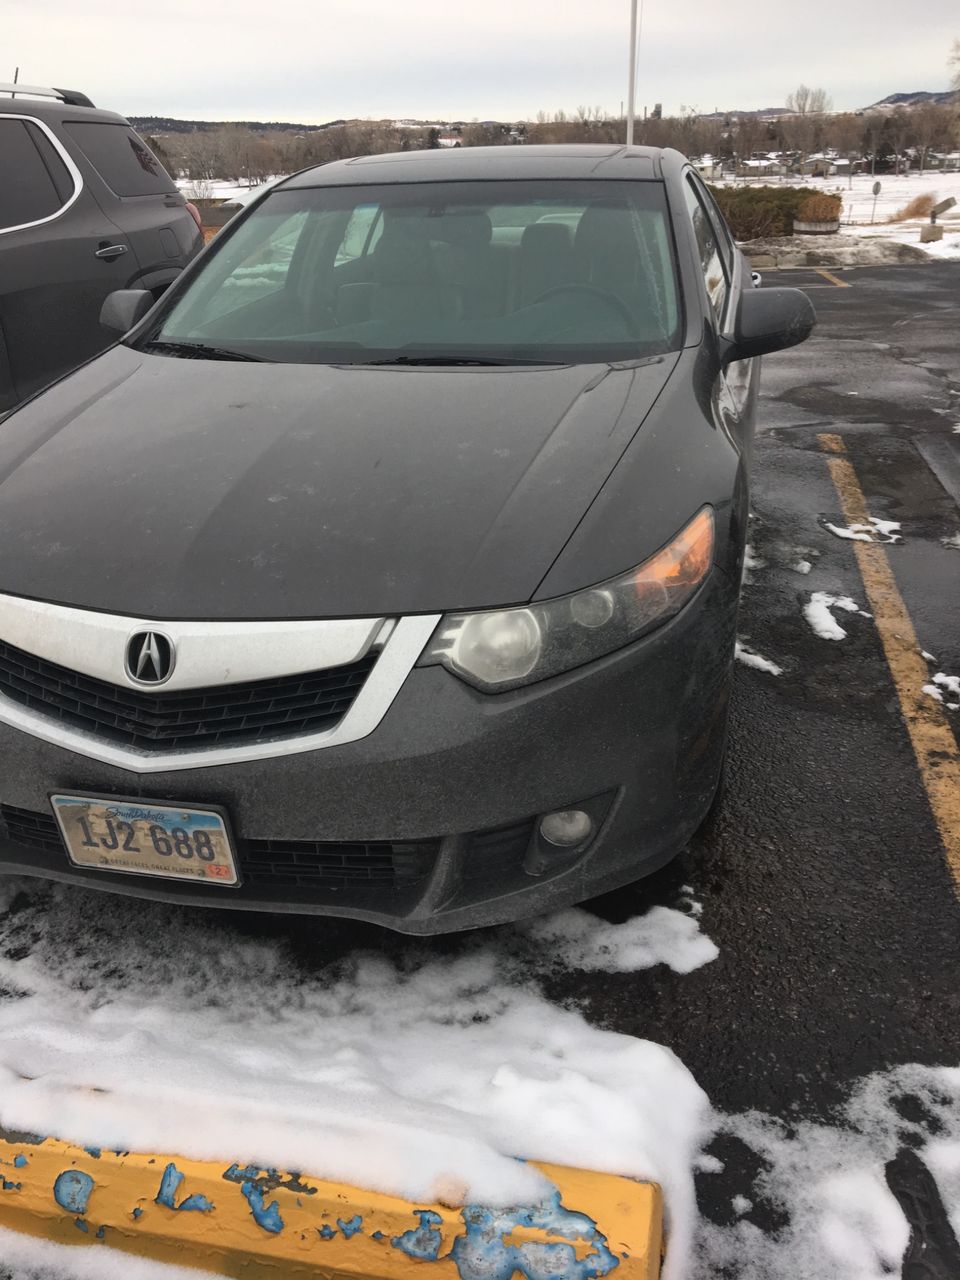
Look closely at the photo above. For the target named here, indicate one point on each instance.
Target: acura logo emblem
(150, 657)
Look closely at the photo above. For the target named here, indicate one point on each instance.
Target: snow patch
(33, 1259)
(875, 531)
(953, 541)
(578, 940)
(817, 612)
(802, 566)
(750, 658)
(945, 689)
(843, 1221)
(135, 1028)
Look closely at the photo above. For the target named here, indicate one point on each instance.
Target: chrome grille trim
(211, 653)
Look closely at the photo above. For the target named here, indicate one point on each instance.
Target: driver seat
(547, 260)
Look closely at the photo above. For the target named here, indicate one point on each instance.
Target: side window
(727, 247)
(52, 159)
(123, 161)
(27, 191)
(363, 230)
(711, 263)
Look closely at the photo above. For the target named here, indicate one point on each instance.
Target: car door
(735, 389)
(139, 196)
(59, 258)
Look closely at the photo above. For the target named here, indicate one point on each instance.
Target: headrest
(461, 228)
(604, 225)
(546, 237)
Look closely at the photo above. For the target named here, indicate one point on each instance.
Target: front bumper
(444, 795)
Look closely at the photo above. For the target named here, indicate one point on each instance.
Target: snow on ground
(875, 531)
(844, 1223)
(28, 1259)
(896, 191)
(135, 1028)
(425, 1071)
(750, 658)
(577, 940)
(817, 612)
(953, 541)
(945, 689)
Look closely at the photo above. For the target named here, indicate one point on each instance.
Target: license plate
(135, 836)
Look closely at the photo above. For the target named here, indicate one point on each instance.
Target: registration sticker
(175, 842)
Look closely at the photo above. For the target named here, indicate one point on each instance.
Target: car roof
(47, 108)
(472, 164)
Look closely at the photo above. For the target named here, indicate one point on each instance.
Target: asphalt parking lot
(824, 876)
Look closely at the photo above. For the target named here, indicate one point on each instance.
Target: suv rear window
(27, 191)
(124, 161)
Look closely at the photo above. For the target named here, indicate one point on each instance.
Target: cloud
(315, 60)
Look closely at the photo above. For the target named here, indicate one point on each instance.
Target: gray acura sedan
(388, 566)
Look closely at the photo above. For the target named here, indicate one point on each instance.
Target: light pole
(632, 86)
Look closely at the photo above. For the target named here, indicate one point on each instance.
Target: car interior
(443, 275)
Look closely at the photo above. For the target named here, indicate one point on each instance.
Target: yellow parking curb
(255, 1223)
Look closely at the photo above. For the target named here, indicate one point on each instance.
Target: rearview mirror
(123, 308)
(769, 320)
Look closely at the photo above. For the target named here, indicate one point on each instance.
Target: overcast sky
(316, 60)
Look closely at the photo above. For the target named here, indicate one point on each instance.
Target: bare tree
(954, 62)
(804, 101)
(931, 126)
(899, 131)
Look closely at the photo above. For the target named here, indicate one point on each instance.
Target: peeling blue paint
(101, 1233)
(377, 1235)
(137, 1213)
(170, 1185)
(422, 1242)
(483, 1254)
(93, 1151)
(326, 1232)
(11, 1186)
(267, 1217)
(81, 1225)
(351, 1227)
(20, 1162)
(72, 1190)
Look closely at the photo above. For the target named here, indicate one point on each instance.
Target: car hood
(170, 488)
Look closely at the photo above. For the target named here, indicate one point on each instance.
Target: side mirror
(124, 308)
(769, 320)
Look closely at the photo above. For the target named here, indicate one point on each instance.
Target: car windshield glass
(483, 272)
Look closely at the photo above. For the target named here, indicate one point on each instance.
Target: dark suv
(85, 208)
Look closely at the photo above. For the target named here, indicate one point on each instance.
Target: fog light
(566, 828)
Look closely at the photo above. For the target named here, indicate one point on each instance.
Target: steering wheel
(605, 295)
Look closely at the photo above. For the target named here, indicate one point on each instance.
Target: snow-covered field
(856, 193)
(895, 193)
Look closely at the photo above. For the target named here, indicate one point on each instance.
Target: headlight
(509, 647)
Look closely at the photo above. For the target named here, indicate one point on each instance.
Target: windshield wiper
(199, 351)
(453, 361)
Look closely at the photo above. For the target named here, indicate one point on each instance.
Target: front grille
(38, 830)
(306, 863)
(277, 864)
(238, 714)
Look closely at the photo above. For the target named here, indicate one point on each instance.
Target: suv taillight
(195, 214)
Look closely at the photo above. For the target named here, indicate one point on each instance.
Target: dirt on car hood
(169, 488)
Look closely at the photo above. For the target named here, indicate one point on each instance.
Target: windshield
(474, 272)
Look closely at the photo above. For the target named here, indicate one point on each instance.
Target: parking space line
(931, 735)
(834, 280)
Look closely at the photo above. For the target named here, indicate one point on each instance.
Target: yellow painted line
(828, 275)
(931, 735)
(254, 1223)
